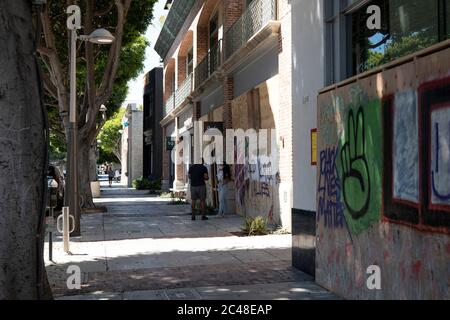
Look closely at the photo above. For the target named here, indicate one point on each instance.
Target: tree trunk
(84, 188)
(22, 157)
(93, 163)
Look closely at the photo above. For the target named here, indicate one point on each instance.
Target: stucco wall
(383, 183)
(137, 145)
(307, 80)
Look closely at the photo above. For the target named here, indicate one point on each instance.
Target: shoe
(204, 218)
(193, 218)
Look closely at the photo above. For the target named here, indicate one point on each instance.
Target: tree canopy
(103, 72)
(110, 137)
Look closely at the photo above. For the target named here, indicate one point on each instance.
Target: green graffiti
(360, 164)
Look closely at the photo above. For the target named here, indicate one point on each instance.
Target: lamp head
(101, 36)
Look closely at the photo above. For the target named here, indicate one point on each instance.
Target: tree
(23, 160)
(110, 137)
(103, 72)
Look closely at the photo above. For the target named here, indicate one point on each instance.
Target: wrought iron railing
(257, 15)
(177, 98)
(209, 64)
(170, 104)
(183, 91)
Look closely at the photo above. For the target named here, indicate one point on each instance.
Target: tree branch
(104, 11)
(114, 53)
(55, 64)
(109, 76)
(49, 86)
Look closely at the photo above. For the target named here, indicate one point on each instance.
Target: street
(144, 248)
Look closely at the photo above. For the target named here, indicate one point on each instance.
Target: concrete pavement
(145, 248)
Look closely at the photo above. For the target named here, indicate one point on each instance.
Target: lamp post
(99, 36)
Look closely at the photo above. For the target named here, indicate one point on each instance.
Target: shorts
(198, 193)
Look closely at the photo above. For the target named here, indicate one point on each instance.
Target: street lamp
(99, 36)
(103, 110)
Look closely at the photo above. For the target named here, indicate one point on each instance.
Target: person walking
(111, 175)
(223, 178)
(198, 175)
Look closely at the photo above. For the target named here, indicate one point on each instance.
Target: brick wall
(202, 42)
(168, 79)
(227, 99)
(181, 69)
(233, 9)
(166, 157)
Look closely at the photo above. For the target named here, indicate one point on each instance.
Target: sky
(136, 87)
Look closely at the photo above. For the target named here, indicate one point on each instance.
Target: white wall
(307, 78)
(136, 145)
(124, 145)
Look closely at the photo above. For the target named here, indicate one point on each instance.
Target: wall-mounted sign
(314, 147)
(74, 19)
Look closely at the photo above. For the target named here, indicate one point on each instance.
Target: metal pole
(74, 201)
(50, 238)
(65, 227)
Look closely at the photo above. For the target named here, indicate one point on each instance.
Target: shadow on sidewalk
(178, 269)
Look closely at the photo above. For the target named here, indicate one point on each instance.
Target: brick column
(233, 10)
(181, 69)
(227, 99)
(202, 43)
(166, 161)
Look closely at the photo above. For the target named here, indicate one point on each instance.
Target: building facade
(227, 64)
(132, 144)
(383, 172)
(359, 93)
(153, 112)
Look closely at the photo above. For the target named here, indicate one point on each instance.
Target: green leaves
(255, 226)
(110, 136)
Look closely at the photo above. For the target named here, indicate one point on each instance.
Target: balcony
(183, 91)
(257, 23)
(177, 98)
(170, 105)
(206, 68)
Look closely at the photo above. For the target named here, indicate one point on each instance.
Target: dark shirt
(197, 174)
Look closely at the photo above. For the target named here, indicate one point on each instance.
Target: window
(173, 84)
(407, 26)
(214, 49)
(190, 62)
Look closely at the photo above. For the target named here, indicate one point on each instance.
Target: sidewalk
(144, 248)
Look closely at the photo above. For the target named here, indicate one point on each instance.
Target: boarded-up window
(406, 147)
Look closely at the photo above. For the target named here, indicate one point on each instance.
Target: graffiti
(406, 147)
(330, 123)
(270, 215)
(330, 206)
(240, 182)
(440, 174)
(360, 162)
(240, 172)
(355, 168)
(424, 210)
(264, 190)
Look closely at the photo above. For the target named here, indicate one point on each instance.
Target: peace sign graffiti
(355, 168)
